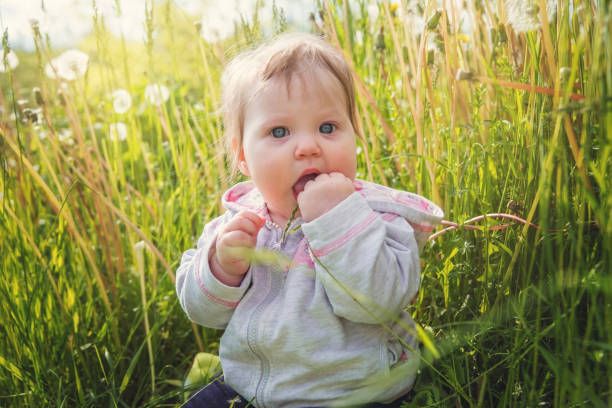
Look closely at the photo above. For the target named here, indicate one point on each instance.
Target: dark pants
(218, 394)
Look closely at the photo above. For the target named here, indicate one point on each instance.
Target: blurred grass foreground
(112, 161)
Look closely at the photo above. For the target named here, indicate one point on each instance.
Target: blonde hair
(286, 55)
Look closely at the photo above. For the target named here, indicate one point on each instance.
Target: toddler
(333, 321)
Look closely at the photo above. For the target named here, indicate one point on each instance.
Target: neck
(282, 219)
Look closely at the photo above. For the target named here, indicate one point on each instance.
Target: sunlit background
(67, 21)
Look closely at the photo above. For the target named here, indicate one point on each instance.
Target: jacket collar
(421, 213)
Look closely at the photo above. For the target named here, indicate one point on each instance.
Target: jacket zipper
(252, 328)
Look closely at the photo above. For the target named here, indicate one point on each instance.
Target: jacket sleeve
(203, 297)
(368, 261)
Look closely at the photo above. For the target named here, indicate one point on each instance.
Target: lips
(308, 175)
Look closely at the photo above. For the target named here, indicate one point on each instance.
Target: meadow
(112, 161)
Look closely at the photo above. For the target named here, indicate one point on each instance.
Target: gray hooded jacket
(332, 320)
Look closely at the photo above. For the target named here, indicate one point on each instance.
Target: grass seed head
(38, 96)
(434, 20)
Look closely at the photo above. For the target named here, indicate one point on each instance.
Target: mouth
(308, 175)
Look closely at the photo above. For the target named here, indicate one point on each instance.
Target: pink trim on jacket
(203, 287)
(302, 255)
(346, 237)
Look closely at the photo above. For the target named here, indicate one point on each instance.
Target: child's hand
(228, 263)
(323, 193)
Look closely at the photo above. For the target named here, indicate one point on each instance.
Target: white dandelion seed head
(524, 15)
(35, 116)
(156, 94)
(372, 12)
(65, 135)
(70, 65)
(411, 17)
(117, 131)
(431, 43)
(11, 61)
(359, 37)
(122, 101)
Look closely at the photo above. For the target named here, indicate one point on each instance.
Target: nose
(307, 146)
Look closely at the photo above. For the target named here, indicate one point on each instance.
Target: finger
(247, 222)
(241, 225)
(336, 175)
(238, 239)
(307, 186)
(256, 219)
(321, 177)
(234, 255)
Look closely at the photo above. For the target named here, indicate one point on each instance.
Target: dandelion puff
(65, 135)
(117, 131)
(122, 101)
(74, 62)
(70, 65)
(412, 17)
(359, 37)
(373, 12)
(50, 70)
(156, 94)
(524, 15)
(11, 62)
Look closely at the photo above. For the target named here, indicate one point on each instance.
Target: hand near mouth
(323, 193)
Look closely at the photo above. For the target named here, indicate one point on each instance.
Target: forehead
(314, 82)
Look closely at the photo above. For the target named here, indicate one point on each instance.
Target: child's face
(293, 130)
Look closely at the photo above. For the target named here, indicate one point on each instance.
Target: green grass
(92, 229)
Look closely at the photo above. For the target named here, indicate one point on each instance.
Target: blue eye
(327, 128)
(279, 132)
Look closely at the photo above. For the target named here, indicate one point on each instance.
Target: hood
(422, 214)
(244, 196)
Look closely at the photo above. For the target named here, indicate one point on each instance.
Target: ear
(244, 168)
(242, 164)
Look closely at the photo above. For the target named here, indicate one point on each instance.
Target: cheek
(351, 171)
(348, 160)
(262, 162)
